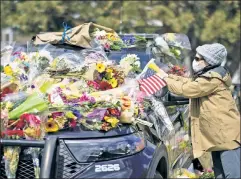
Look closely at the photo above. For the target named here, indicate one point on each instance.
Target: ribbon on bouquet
(64, 35)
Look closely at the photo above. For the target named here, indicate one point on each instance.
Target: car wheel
(157, 175)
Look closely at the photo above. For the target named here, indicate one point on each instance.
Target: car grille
(25, 167)
(67, 166)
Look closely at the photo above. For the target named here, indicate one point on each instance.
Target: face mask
(197, 66)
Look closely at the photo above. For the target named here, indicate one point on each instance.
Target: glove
(162, 74)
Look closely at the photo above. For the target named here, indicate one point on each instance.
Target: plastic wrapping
(168, 48)
(131, 65)
(94, 55)
(11, 159)
(39, 62)
(109, 40)
(67, 61)
(177, 40)
(35, 103)
(15, 98)
(161, 114)
(6, 52)
(35, 153)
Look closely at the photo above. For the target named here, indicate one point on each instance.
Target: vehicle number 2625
(107, 168)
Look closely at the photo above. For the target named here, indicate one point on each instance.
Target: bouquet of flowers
(107, 77)
(184, 143)
(131, 63)
(207, 174)
(184, 173)
(11, 158)
(58, 120)
(109, 40)
(178, 70)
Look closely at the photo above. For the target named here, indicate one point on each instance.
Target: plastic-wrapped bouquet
(107, 77)
(208, 173)
(109, 40)
(131, 62)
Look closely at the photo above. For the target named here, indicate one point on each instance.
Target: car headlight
(106, 149)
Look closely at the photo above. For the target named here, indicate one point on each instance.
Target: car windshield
(141, 53)
(116, 56)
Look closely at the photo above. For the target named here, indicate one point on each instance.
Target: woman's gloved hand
(162, 74)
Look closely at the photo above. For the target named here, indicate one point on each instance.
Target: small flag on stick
(151, 82)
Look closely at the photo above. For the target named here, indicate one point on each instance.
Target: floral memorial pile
(46, 91)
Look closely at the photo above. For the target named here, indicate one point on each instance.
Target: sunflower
(51, 126)
(113, 82)
(8, 70)
(100, 67)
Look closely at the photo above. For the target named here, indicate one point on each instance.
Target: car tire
(158, 175)
(160, 152)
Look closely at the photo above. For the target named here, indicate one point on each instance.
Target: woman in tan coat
(215, 120)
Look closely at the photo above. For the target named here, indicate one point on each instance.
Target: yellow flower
(113, 82)
(70, 115)
(60, 121)
(100, 67)
(54, 63)
(8, 70)
(32, 132)
(109, 73)
(9, 105)
(136, 111)
(112, 120)
(109, 70)
(51, 126)
(62, 86)
(112, 37)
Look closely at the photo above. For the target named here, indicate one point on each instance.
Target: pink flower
(4, 114)
(209, 170)
(86, 98)
(107, 46)
(31, 119)
(57, 114)
(93, 84)
(13, 132)
(140, 96)
(72, 123)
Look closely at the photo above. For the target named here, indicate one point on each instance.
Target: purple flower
(97, 113)
(86, 98)
(77, 113)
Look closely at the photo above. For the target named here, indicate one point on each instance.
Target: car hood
(79, 133)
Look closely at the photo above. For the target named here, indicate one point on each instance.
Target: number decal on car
(107, 168)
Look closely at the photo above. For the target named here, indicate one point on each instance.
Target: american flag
(151, 83)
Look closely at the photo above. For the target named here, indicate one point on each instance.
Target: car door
(179, 144)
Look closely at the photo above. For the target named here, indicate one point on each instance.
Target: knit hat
(213, 54)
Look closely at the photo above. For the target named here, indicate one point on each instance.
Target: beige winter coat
(215, 120)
